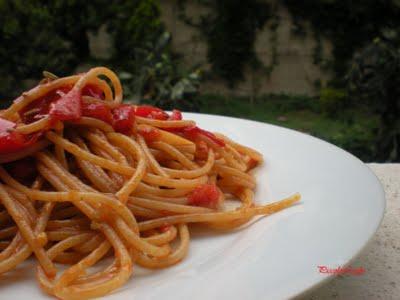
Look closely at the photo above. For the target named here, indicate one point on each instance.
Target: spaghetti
(85, 177)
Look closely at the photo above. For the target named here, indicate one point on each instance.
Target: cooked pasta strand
(106, 179)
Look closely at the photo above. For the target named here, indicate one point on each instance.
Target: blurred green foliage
(365, 60)
(333, 100)
(357, 133)
(374, 81)
(30, 43)
(230, 28)
(359, 109)
(231, 33)
(161, 80)
(348, 24)
(53, 35)
(135, 27)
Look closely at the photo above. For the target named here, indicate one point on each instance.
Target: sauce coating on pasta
(84, 176)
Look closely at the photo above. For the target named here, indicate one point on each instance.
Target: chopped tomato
(6, 126)
(124, 116)
(205, 195)
(149, 134)
(62, 104)
(39, 108)
(68, 107)
(193, 132)
(151, 112)
(93, 91)
(252, 163)
(201, 150)
(11, 141)
(176, 115)
(164, 228)
(97, 110)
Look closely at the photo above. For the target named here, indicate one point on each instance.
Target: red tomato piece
(164, 228)
(39, 108)
(193, 132)
(151, 112)
(93, 91)
(252, 163)
(149, 134)
(212, 137)
(123, 116)
(201, 150)
(205, 195)
(11, 141)
(68, 107)
(98, 111)
(6, 126)
(176, 115)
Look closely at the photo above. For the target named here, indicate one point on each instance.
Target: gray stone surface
(381, 257)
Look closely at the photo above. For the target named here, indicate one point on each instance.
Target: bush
(374, 80)
(348, 24)
(230, 29)
(53, 35)
(357, 139)
(160, 80)
(332, 101)
(30, 43)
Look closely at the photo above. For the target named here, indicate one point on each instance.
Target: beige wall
(295, 72)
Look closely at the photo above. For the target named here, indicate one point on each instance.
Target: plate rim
(382, 195)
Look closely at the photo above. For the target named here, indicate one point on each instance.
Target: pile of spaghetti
(84, 178)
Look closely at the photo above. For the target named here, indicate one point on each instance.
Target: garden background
(330, 68)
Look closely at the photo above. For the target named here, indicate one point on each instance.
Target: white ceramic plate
(277, 256)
